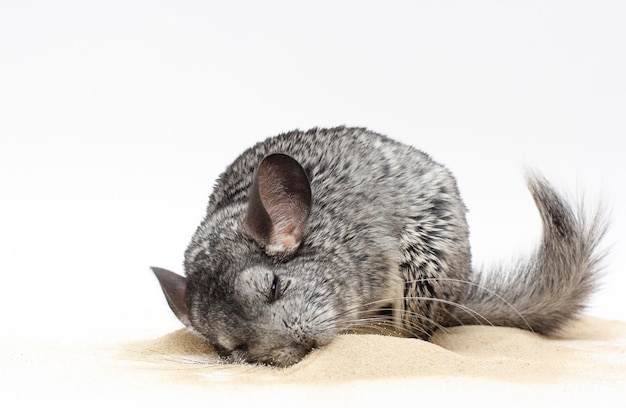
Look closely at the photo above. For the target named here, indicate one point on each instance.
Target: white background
(116, 117)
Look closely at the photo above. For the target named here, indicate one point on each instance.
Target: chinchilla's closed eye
(278, 288)
(275, 289)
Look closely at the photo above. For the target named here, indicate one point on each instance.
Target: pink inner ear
(287, 222)
(288, 241)
(286, 197)
(281, 244)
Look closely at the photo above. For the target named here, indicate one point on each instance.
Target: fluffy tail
(546, 291)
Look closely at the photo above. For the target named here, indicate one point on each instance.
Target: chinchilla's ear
(174, 287)
(279, 203)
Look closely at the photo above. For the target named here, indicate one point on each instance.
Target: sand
(470, 365)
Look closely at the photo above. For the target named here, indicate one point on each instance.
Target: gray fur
(547, 290)
(382, 240)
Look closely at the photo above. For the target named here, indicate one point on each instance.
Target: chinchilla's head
(249, 290)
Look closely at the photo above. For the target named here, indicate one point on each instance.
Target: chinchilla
(309, 234)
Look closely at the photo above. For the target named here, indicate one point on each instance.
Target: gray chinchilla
(310, 234)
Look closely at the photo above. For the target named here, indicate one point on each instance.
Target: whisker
(408, 326)
(479, 318)
(382, 324)
(477, 315)
(485, 289)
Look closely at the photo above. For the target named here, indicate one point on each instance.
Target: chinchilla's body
(309, 234)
